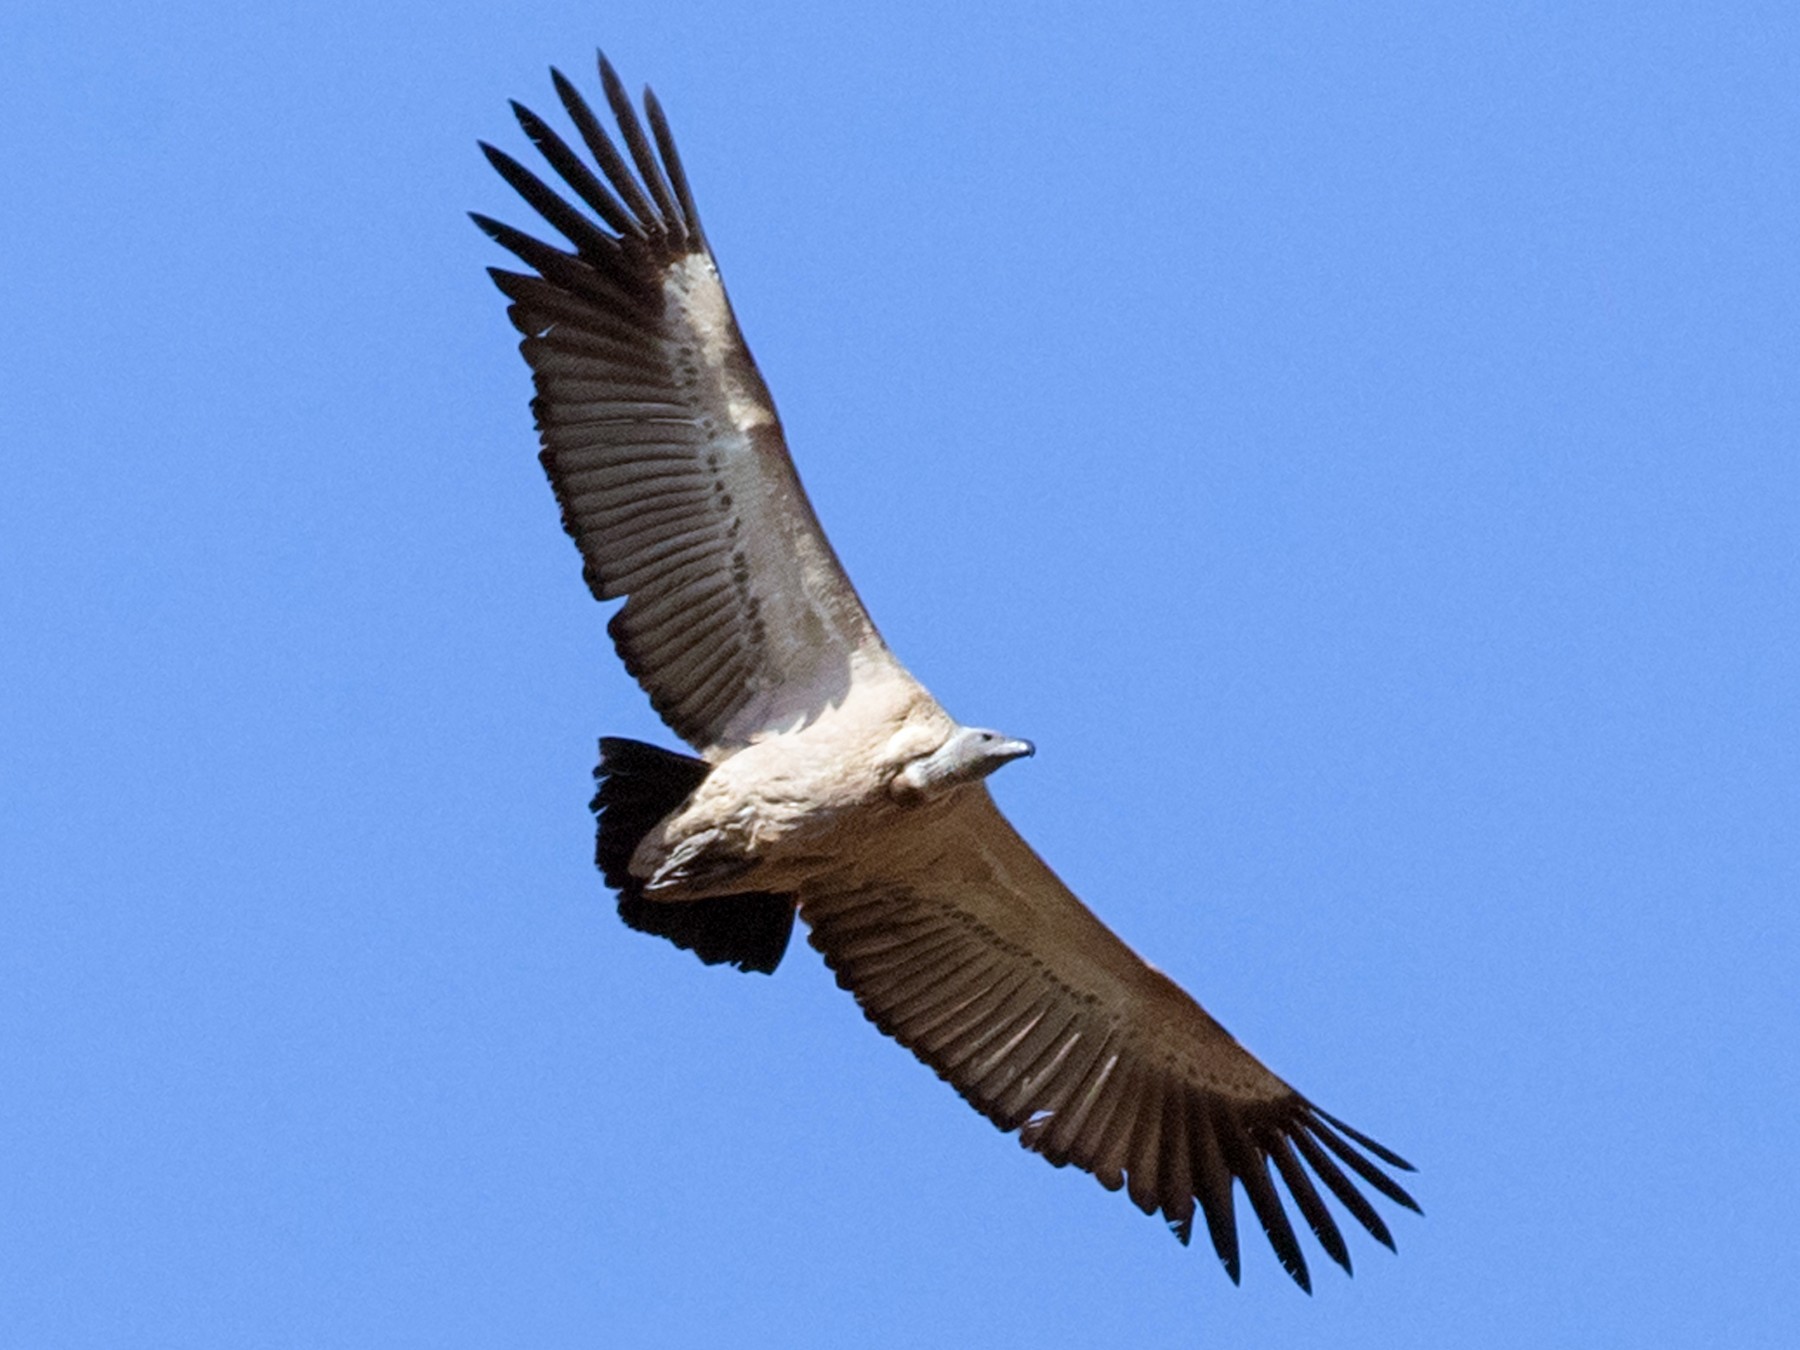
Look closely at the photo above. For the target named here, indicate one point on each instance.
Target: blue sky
(1357, 444)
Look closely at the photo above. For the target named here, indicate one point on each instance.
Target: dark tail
(639, 785)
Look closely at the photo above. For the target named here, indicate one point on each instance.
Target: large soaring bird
(829, 782)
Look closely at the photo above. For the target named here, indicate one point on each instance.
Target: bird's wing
(960, 943)
(662, 442)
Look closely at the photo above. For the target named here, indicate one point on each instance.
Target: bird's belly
(769, 831)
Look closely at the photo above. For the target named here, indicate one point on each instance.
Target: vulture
(827, 782)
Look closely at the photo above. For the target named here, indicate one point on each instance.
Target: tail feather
(639, 785)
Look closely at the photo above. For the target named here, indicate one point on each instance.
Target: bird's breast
(791, 806)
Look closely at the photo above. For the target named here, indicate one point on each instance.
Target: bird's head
(968, 754)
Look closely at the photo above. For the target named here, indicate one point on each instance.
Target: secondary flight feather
(829, 783)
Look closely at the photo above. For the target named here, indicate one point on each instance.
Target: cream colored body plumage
(791, 806)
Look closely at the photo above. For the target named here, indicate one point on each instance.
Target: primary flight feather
(829, 782)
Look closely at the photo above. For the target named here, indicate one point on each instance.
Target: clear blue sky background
(1357, 443)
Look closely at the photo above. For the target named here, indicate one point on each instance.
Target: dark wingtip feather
(565, 87)
(575, 173)
(519, 178)
(582, 233)
(665, 146)
(616, 97)
(1306, 1196)
(609, 79)
(1363, 1168)
(640, 214)
(533, 252)
(1222, 1227)
(1252, 1172)
(1341, 1186)
(663, 213)
(1387, 1155)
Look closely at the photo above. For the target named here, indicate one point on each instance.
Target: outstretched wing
(960, 943)
(663, 445)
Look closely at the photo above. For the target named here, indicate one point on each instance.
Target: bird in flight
(828, 782)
